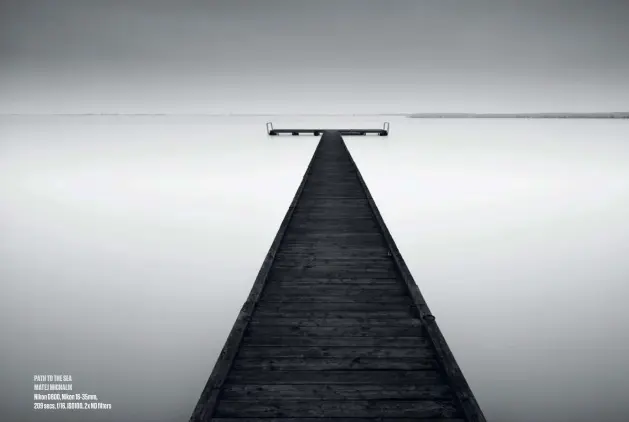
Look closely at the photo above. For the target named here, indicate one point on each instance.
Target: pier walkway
(335, 328)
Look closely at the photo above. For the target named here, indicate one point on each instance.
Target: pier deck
(316, 132)
(335, 328)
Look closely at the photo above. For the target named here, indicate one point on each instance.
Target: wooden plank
(340, 184)
(334, 180)
(342, 331)
(343, 258)
(340, 242)
(311, 234)
(335, 290)
(305, 284)
(343, 189)
(369, 266)
(358, 298)
(321, 307)
(338, 232)
(326, 252)
(333, 195)
(350, 178)
(336, 322)
(346, 217)
(314, 269)
(319, 207)
(323, 242)
(343, 184)
(292, 341)
(342, 181)
(334, 420)
(337, 215)
(343, 213)
(301, 314)
(333, 205)
(337, 203)
(335, 208)
(398, 300)
(308, 281)
(290, 287)
(423, 351)
(347, 184)
(332, 251)
(353, 291)
(347, 190)
(339, 409)
(332, 240)
(328, 364)
(350, 228)
(330, 247)
(380, 265)
(330, 231)
(286, 272)
(376, 242)
(392, 377)
(335, 285)
(337, 392)
(322, 268)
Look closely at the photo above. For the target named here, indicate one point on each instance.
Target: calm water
(129, 245)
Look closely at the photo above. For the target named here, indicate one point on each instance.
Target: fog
(129, 245)
(324, 56)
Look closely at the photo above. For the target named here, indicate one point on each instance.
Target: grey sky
(293, 55)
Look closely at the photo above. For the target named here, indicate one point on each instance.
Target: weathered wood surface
(351, 377)
(327, 364)
(338, 391)
(356, 341)
(327, 322)
(335, 420)
(340, 352)
(336, 408)
(333, 330)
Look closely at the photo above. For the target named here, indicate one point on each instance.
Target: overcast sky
(329, 56)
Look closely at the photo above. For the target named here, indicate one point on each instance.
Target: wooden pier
(335, 327)
(316, 132)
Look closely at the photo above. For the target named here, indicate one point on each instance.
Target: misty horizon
(408, 114)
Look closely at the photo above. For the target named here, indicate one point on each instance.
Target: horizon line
(228, 114)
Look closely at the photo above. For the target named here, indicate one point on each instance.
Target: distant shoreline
(612, 115)
(519, 116)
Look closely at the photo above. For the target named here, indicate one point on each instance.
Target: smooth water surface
(129, 245)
